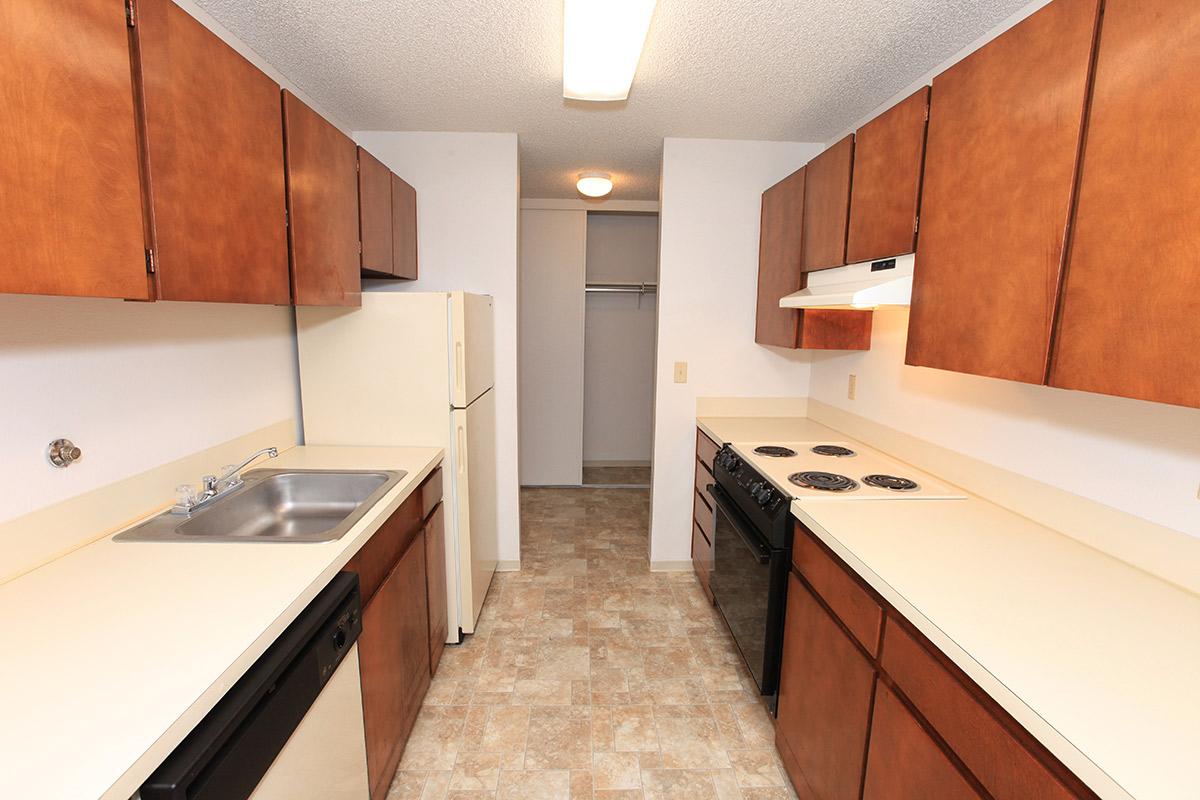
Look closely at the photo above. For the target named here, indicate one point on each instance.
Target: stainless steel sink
(276, 505)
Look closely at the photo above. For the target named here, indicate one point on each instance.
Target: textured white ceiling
(799, 70)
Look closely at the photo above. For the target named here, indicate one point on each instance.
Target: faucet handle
(185, 495)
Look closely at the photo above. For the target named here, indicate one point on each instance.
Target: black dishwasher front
(230, 751)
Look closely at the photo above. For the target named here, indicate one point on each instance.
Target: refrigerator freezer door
(477, 546)
(471, 347)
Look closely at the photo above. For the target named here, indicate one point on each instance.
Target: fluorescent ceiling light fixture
(602, 43)
(594, 184)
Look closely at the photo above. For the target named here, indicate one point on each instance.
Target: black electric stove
(752, 552)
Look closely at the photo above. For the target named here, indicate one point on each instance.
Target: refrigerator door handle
(460, 370)
(462, 454)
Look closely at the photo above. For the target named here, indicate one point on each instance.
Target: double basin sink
(276, 505)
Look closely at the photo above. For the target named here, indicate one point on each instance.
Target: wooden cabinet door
(322, 193)
(70, 192)
(904, 762)
(779, 253)
(827, 206)
(1131, 301)
(889, 153)
(394, 663)
(435, 585)
(825, 692)
(1000, 163)
(215, 166)
(404, 229)
(374, 214)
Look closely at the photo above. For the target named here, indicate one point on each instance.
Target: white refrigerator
(415, 369)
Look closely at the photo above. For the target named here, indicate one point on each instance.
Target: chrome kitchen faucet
(213, 486)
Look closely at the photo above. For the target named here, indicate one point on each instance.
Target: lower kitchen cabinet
(435, 585)
(905, 763)
(702, 513)
(394, 663)
(825, 690)
(933, 733)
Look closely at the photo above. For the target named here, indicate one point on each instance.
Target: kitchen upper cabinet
(825, 693)
(322, 194)
(904, 762)
(375, 214)
(394, 663)
(71, 202)
(1004, 134)
(827, 207)
(885, 195)
(435, 584)
(1131, 306)
(779, 253)
(404, 229)
(214, 164)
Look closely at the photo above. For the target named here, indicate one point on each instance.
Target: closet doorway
(620, 317)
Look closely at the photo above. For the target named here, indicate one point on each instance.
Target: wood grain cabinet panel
(322, 193)
(374, 214)
(70, 191)
(970, 726)
(1131, 306)
(827, 206)
(394, 664)
(825, 692)
(835, 329)
(215, 167)
(375, 559)
(1004, 134)
(854, 606)
(905, 763)
(889, 153)
(781, 228)
(706, 449)
(435, 583)
(404, 229)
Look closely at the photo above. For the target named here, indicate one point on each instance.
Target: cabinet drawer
(973, 730)
(704, 478)
(381, 552)
(701, 551)
(431, 493)
(706, 449)
(841, 591)
(703, 516)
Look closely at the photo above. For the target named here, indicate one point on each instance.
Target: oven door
(748, 582)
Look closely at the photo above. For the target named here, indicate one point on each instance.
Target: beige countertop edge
(1087, 770)
(749, 429)
(139, 751)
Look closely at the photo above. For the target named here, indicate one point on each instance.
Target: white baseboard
(508, 566)
(616, 463)
(671, 566)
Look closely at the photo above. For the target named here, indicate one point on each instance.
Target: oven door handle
(740, 524)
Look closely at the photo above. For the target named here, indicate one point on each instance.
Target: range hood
(872, 283)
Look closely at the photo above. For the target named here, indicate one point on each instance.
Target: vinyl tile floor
(589, 676)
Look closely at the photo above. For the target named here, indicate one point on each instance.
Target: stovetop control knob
(765, 495)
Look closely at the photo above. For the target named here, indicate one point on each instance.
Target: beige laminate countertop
(1097, 659)
(117, 650)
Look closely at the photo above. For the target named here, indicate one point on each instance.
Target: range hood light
(602, 44)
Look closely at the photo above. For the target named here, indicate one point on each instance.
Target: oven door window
(741, 584)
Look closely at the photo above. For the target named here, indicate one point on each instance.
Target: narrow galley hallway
(591, 677)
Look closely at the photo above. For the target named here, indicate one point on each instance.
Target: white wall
(708, 279)
(618, 398)
(553, 246)
(467, 216)
(135, 385)
(1139, 457)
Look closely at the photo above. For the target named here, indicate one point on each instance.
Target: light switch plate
(852, 387)
(681, 372)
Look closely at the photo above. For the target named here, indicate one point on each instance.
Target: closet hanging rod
(622, 287)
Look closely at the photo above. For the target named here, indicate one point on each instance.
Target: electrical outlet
(852, 387)
(681, 372)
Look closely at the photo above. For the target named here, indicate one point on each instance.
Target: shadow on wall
(1136, 422)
